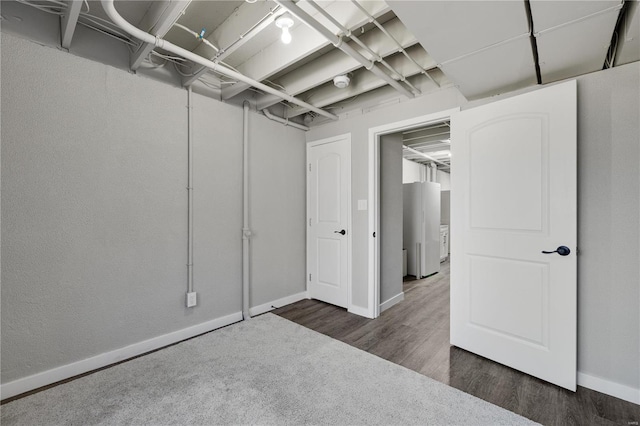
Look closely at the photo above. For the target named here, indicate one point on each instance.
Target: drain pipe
(122, 23)
(246, 232)
(284, 121)
(338, 42)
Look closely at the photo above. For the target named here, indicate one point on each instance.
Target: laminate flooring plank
(415, 334)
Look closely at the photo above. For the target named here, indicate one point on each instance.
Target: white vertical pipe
(189, 192)
(246, 232)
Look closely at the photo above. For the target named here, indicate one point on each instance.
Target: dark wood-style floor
(415, 334)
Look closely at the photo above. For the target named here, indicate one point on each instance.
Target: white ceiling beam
(335, 62)
(305, 41)
(434, 134)
(337, 41)
(430, 147)
(68, 22)
(158, 20)
(422, 154)
(364, 81)
(235, 32)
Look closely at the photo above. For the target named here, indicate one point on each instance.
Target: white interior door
(328, 219)
(513, 196)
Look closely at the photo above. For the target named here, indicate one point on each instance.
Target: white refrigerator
(421, 227)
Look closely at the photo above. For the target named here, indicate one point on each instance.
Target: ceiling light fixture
(285, 21)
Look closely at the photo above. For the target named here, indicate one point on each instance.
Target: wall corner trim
(363, 312)
(35, 381)
(608, 387)
(266, 307)
(392, 301)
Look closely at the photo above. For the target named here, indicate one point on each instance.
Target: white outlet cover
(362, 204)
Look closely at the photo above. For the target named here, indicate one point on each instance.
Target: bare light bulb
(285, 21)
(286, 35)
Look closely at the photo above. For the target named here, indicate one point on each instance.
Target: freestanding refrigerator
(421, 227)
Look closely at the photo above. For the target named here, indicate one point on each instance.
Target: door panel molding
(323, 285)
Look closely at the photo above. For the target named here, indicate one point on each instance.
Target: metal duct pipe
(246, 232)
(338, 42)
(170, 47)
(284, 121)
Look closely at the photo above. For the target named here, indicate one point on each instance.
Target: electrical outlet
(192, 299)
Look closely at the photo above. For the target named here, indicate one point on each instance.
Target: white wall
(444, 179)
(412, 171)
(94, 209)
(609, 214)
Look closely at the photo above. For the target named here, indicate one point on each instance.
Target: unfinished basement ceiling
(391, 50)
(429, 144)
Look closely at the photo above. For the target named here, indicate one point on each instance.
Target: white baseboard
(363, 312)
(394, 300)
(610, 388)
(26, 384)
(266, 307)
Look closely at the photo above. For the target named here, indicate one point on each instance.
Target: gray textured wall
(278, 210)
(94, 229)
(608, 203)
(609, 224)
(390, 216)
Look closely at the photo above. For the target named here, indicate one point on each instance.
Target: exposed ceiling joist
(237, 30)
(69, 21)
(431, 147)
(436, 133)
(335, 63)
(158, 20)
(305, 41)
(422, 154)
(364, 81)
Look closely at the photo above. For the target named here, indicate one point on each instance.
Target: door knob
(562, 251)
(340, 232)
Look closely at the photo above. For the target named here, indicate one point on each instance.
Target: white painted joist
(364, 81)
(335, 62)
(158, 20)
(69, 21)
(305, 41)
(430, 147)
(237, 30)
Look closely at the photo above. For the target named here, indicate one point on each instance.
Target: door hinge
(309, 277)
(309, 221)
(309, 166)
(374, 235)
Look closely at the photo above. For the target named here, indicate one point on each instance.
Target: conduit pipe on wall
(170, 47)
(246, 232)
(284, 121)
(338, 42)
(189, 191)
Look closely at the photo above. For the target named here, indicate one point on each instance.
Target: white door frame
(311, 144)
(373, 310)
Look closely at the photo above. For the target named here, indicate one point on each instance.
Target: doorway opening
(404, 133)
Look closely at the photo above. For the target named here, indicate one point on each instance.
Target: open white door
(513, 196)
(329, 219)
